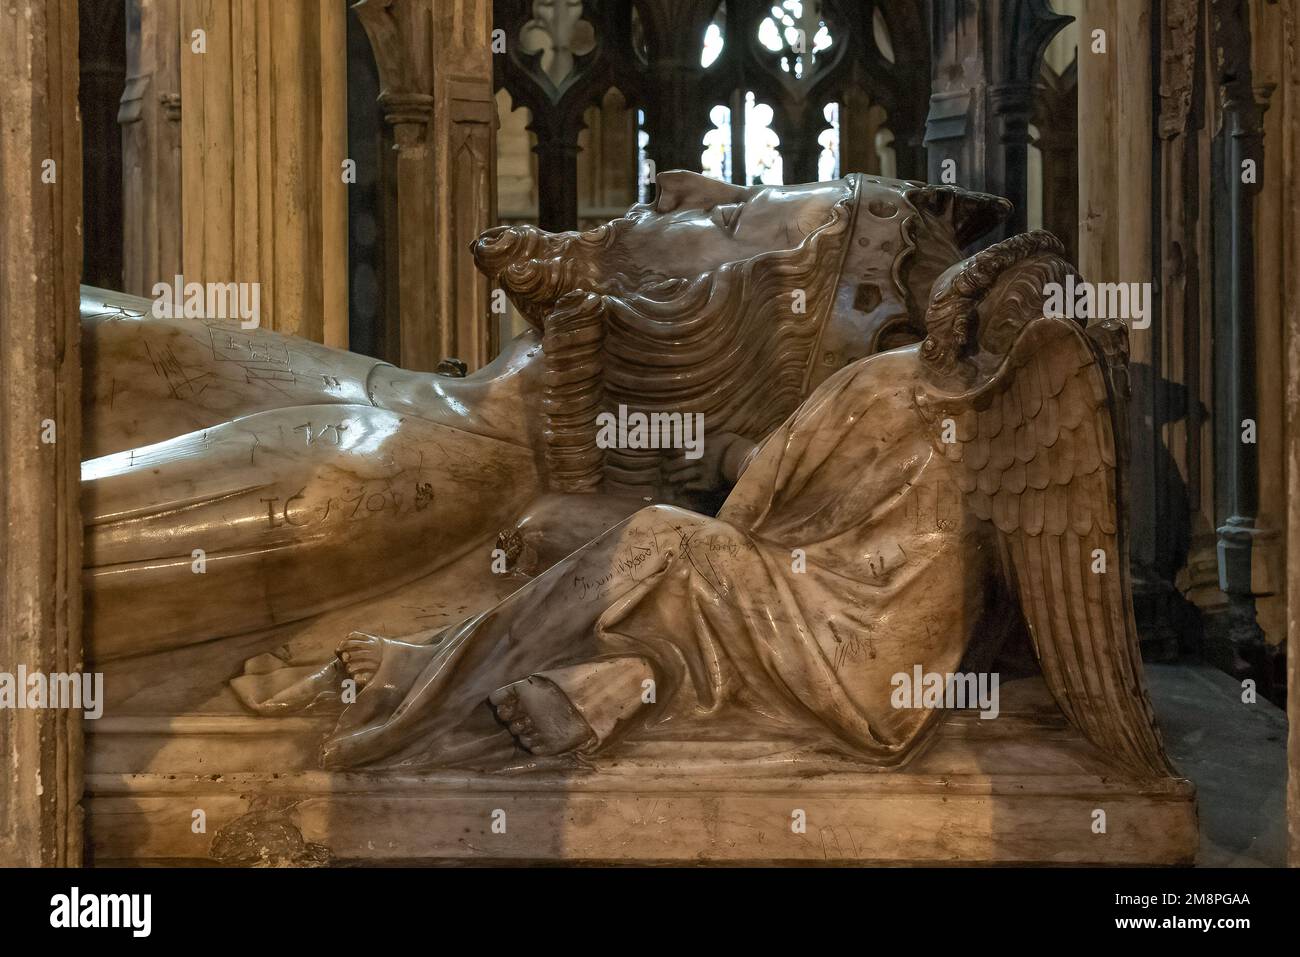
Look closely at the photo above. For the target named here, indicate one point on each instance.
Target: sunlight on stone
(880, 29)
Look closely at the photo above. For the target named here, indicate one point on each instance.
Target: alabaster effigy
(857, 589)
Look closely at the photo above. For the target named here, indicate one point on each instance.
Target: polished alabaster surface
(904, 466)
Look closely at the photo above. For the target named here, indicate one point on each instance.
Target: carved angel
(1036, 405)
(897, 519)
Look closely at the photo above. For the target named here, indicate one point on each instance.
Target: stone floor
(1235, 753)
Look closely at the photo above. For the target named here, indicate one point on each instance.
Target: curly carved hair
(951, 320)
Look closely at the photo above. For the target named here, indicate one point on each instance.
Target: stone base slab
(1025, 791)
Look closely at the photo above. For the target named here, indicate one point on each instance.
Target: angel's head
(979, 304)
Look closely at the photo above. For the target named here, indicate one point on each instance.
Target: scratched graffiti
(115, 313)
(304, 508)
(423, 495)
(328, 434)
(851, 647)
(937, 508)
(627, 565)
(181, 383)
(264, 359)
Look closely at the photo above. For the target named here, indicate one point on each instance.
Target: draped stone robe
(842, 557)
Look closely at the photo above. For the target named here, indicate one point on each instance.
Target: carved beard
(735, 343)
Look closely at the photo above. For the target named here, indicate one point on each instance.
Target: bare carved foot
(361, 654)
(541, 716)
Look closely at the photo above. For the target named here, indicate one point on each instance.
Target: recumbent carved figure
(937, 452)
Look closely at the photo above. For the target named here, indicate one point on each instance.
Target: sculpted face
(689, 300)
(697, 224)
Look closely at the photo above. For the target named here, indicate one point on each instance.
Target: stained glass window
(714, 37)
(715, 161)
(742, 146)
(828, 161)
(796, 30)
(762, 159)
(644, 173)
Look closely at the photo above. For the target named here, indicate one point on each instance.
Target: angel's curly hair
(950, 320)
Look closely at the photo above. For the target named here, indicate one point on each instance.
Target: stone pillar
(1183, 318)
(150, 119)
(1098, 121)
(1284, 169)
(1241, 538)
(1276, 194)
(40, 425)
(264, 139)
(860, 119)
(675, 114)
(411, 208)
(1134, 138)
(557, 167)
(1118, 234)
(1129, 254)
(464, 178)
(435, 71)
(1275, 32)
(1012, 105)
(985, 61)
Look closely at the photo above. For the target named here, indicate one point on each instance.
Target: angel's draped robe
(842, 557)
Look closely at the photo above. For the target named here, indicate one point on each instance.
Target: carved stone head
(733, 301)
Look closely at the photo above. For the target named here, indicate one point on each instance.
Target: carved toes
(510, 712)
(521, 726)
(360, 654)
(505, 701)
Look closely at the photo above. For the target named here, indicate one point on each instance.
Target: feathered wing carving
(1036, 440)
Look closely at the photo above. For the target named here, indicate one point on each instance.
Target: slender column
(1151, 515)
(263, 144)
(1098, 174)
(676, 115)
(557, 167)
(985, 58)
(435, 70)
(464, 177)
(1012, 106)
(1290, 174)
(40, 426)
(1237, 458)
(410, 206)
(1268, 575)
(150, 117)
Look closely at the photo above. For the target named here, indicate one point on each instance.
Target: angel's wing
(1036, 442)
